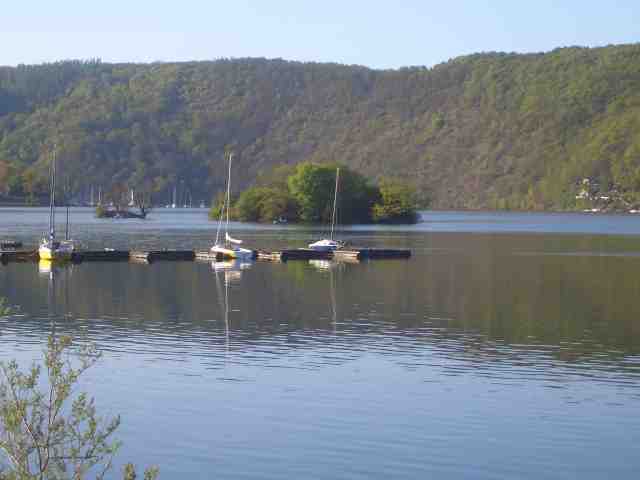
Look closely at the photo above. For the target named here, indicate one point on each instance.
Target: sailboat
(230, 247)
(329, 244)
(50, 248)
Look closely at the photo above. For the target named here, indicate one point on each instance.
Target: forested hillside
(482, 131)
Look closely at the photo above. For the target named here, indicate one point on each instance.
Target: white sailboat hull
(325, 245)
(56, 250)
(232, 252)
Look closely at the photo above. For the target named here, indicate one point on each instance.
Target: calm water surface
(507, 347)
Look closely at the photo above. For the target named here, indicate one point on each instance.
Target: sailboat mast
(226, 231)
(220, 221)
(52, 200)
(66, 199)
(335, 203)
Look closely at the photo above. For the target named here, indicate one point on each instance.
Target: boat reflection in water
(51, 267)
(45, 267)
(322, 264)
(232, 269)
(55, 273)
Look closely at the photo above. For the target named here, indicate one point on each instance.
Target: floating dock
(7, 256)
(268, 256)
(163, 255)
(371, 254)
(109, 255)
(100, 255)
(10, 245)
(294, 254)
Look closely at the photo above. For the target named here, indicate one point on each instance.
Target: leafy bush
(4, 308)
(47, 431)
(313, 186)
(397, 203)
(100, 211)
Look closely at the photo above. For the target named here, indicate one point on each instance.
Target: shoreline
(437, 210)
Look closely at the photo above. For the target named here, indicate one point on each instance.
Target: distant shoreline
(444, 210)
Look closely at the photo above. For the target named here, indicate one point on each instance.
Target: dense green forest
(306, 194)
(492, 130)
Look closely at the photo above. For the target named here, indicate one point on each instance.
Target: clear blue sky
(380, 34)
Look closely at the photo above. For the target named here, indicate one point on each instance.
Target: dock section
(106, 255)
(7, 256)
(163, 255)
(10, 245)
(110, 255)
(371, 254)
(294, 254)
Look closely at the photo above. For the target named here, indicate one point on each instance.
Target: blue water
(507, 347)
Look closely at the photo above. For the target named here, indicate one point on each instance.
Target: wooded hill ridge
(491, 130)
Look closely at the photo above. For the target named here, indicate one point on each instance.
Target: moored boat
(50, 248)
(329, 244)
(230, 248)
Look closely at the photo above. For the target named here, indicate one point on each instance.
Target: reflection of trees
(489, 303)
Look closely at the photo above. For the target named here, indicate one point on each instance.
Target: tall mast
(66, 201)
(226, 232)
(335, 202)
(66, 231)
(220, 221)
(52, 200)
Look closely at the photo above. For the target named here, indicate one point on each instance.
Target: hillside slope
(482, 131)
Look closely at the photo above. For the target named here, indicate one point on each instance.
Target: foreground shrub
(47, 430)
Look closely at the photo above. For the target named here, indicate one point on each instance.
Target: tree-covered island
(304, 194)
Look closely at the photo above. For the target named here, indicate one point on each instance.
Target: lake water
(508, 346)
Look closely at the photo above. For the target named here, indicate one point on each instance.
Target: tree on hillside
(275, 177)
(32, 185)
(474, 132)
(4, 177)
